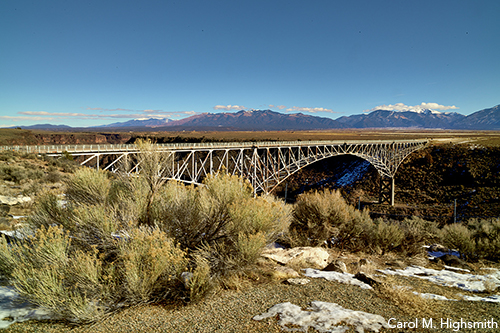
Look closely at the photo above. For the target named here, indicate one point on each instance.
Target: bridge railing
(96, 148)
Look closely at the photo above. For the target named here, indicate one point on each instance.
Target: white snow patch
(469, 282)
(323, 317)
(13, 309)
(490, 299)
(345, 278)
(433, 296)
(353, 175)
(456, 269)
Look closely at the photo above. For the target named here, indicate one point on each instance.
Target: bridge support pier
(386, 190)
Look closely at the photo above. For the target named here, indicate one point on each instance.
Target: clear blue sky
(84, 63)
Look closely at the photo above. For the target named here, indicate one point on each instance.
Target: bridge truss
(264, 164)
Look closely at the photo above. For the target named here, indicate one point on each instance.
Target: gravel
(232, 311)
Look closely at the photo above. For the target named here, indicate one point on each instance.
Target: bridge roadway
(264, 164)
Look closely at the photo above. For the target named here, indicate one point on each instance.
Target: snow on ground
(13, 309)
(323, 317)
(490, 299)
(336, 276)
(353, 174)
(469, 282)
(445, 277)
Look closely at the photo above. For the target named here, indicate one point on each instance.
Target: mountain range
(267, 120)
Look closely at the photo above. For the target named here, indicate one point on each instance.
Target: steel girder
(266, 166)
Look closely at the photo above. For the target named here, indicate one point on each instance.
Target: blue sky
(85, 63)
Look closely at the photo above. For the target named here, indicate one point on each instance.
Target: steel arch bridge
(264, 164)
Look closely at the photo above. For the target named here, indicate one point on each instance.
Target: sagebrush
(119, 240)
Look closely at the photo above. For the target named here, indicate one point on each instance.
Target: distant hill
(150, 122)
(49, 127)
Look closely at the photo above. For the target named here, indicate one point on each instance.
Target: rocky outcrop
(313, 256)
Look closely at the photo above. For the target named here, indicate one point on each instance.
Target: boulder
(312, 256)
(363, 262)
(437, 248)
(298, 281)
(286, 272)
(396, 264)
(367, 278)
(452, 260)
(11, 201)
(336, 266)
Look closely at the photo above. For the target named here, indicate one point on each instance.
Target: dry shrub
(49, 211)
(200, 283)
(118, 242)
(355, 234)
(151, 262)
(486, 234)
(459, 237)
(316, 214)
(44, 272)
(127, 198)
(386, 236)
(406, 300)
(417, 232)
(155, 167)
(88, 187)
(221, 221)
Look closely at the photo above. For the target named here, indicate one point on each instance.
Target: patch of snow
(433, 296)
(469, 282)
(19, 233)
(13, 309)
(456, 269)
(323, 317)
(357, 172)
(490, 299)
(345, 278)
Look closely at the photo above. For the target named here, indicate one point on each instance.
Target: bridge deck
(116, 148)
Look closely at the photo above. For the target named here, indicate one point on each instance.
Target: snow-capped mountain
(256, 120)
(267, 120)
(420, 119)
(487, 119)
